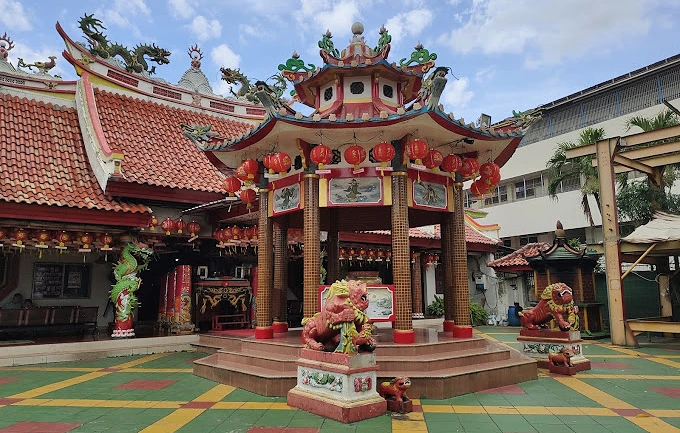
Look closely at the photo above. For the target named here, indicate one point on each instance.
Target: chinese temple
(242, 200)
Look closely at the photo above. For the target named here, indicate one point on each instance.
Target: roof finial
(357, 28)
(559, 233)
(196, 56)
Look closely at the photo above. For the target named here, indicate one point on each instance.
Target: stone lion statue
(342, 325)
(556, 303)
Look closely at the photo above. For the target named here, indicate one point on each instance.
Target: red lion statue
(561, 358)
(342, 325)
(395, 389)
(556, 302)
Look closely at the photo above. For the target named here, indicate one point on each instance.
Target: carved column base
(449, 325)
(264, 333)
(280, 327)
(404, 337)
(462, 331)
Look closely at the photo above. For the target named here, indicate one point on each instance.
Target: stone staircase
(438, 369)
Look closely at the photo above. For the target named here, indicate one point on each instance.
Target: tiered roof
(517, 260)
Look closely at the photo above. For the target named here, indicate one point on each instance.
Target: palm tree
(559, 169)
(664, 119)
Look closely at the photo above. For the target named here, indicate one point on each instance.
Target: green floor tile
(551, 428)
(543, 419)
(305, 422)
(481, 427)
(444, 426)
(275, 418)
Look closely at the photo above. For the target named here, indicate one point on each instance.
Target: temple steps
(440, 368)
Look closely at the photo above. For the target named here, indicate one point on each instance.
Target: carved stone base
(538, 343)
(561, 369)
(337, 386)
(405, 406)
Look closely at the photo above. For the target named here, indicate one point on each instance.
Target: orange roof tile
(155, 149)
(471, 235)
(43, 159)
(519, 257)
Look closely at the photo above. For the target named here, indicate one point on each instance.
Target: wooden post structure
(280, 295)
(312, 241)
(265, 269)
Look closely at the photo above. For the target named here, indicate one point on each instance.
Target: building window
(531, 239)
(499, 195)
(356, 88)
(507, 242)
(388, 91)
(468, 202)
(529, 188)
(328, 94)
(571, 183)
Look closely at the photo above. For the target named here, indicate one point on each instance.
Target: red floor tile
(283, 430)
(4, 380)
(630, 412)
(509, 389)
(146, 384)
(198, 405)
(6, 401)
(40, 427)
(611, 365)
(668, 392)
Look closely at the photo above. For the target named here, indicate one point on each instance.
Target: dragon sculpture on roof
(134, 60)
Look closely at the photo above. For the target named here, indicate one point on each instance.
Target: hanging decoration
(43, 237)
(243, 176)
(379, 255)
(3, 236)
(280, 162)
(452, 164)
(231, 184)
(20, 235)
(479, 187)
(490, 173)
(321, 155)
(106, 240)
(86, 239)
(342, 254)
(62, 238)
(267, 162)
(251, 167)
(248, 196)
(469, 168)
(181, 225)
(355, 155)
(417, 149)
(433, 159)
(384, 153)
(153, 223)
(168, 225)
(193, 228)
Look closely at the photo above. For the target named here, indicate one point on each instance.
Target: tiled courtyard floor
(626, 391)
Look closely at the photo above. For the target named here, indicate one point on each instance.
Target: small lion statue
(556, 303)
(395, 389)
(561, 358)
(342, 326)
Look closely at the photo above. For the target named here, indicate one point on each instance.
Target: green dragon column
(127, 282)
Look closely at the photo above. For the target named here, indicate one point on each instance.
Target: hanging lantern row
(236, 235)
(489, 177)
(61, 240)
(180, 226)
(369, 255)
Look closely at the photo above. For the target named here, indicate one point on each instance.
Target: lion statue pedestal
(334, 380)
(539, 342)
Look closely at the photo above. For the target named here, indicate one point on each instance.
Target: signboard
(381, 306)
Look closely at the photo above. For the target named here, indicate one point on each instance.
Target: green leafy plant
(478, 315)
(436, 308)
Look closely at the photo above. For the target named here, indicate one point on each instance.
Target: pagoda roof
(43, 162)
(517, 260)
(156, 150)
(472, 235)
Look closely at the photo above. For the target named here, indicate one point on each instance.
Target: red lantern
(433, 159)
(242, 175)
(321, 155)
(106, 240)
(355, 155)
(414, 256)
(193, 228)
(388, 255)
(493, 180)
(254, 233)
(267, 162)
(219, 236)
(436, 258)
(181, 225)
(479, 187)
(21, 235)
(231, 185)
(63, 238)
(362, 254)
(168, 225)
(44, 236)
(280, 162)
(236, 233)
(371, 255)
(469, 168)
(247, 233)
(153, 223)
(342, 254)
(226, 234)
(452, 163)
(379, 256)
(383, 152)
(417, 150)
(488, 170)
(352, 253)
(3, 233)
(86, 239)
(248, 196)
(251, 167)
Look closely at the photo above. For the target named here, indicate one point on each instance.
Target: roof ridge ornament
(196, 56)
(295, 65)
(327, 46)
(6, 45)
(385, 39)
(421, 56)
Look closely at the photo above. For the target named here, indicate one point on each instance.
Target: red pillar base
(449, 325)
(280, 327)
(264, 333)
(462, 331)
(404, 337)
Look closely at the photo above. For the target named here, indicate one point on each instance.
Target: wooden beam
(578, 152)
(648, 137)
(649, 250)
(632, 164)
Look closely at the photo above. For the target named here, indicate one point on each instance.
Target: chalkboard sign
(57, 280)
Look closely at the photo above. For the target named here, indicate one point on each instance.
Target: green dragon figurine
(127, 282)
(134, 60)
(247, 90)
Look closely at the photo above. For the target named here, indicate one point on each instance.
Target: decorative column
(280, 294)
(461, 308)
(401, 260)
(312, 239)
(332, 248)
(265, 268)
(417, 287)
(447, 270)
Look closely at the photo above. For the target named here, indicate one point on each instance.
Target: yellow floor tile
(438, 408)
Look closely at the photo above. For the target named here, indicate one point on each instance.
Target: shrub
(436, 308)
(478, 315)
